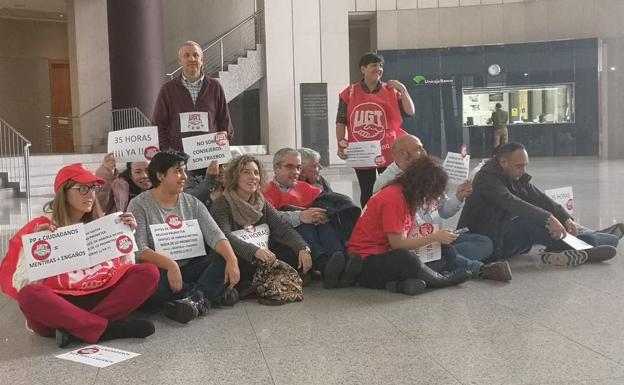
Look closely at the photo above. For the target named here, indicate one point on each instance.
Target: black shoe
(228, 297)
(352, 270)
(63, 338)
(578, 257)
(128, 329)
(434, 279)
(333, 269)
(600, 253)
(410, 286)
(203, 305)
(616, 229)
(182, 310)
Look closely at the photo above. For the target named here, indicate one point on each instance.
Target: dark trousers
(323, 241)
(521, 235)
(366, 179)
(394, 265)
(86, 317)
(205, 273)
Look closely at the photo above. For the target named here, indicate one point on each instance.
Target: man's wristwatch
(306, 249)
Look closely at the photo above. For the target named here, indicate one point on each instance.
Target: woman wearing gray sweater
(176, 233)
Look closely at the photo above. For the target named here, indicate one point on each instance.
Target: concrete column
(137, 70)
(90, 73)
(306, 42)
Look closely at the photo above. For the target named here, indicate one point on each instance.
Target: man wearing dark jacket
(190, 93)
(515, 214)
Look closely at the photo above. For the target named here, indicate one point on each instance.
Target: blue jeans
(473, 246)
(521, 235)
(454, 261)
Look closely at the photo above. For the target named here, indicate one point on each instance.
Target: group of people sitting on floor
(267, 239)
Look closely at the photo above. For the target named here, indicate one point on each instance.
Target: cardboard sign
(203, 149)
(258, 236)
(575, 243)
(178, 239)
(52, 253)
(108, 238)
(98, 356)
(457, 167)
(431, 252)
(134, 144)
(364, 154)
(562, 196)
(196, 121)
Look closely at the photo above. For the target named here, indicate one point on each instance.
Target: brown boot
(496, 271)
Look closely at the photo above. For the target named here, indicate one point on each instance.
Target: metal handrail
(221, 39)
(15, 149)
(122, 118)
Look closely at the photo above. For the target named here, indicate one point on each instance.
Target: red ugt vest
(373, 116)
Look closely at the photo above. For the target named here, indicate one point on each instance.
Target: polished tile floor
(548, 326)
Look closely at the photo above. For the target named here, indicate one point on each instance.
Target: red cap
(76, 172)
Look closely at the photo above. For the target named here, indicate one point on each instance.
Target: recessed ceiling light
(612, 68)
(526, 74)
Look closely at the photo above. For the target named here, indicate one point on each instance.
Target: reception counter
(541, 139)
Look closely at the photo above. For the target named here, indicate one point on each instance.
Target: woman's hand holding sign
(129, 220)
(45, 227)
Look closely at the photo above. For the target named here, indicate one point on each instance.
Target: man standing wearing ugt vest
(372, 110)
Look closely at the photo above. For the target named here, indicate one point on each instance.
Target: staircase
(236, 58)
(243, 74)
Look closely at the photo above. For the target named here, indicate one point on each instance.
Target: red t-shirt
(372, 117)
(302, 195)
(385, 212)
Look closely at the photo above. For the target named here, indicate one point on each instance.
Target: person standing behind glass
(499, 119)
(372, 110)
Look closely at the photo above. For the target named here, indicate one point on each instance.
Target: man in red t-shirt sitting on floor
(285, 192)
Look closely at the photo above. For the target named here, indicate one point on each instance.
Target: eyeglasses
(292, 167)
(84, 189)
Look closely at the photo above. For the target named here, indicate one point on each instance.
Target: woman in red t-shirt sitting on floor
(380, 235)
(89, 304)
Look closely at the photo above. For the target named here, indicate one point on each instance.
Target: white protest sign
(203, 149)
(178, 239)
(575, 243)
(108, 238)
(562, 196)
(138, 144)
(98, 356)
(52, 253)
(196, 121)
(258, 236)
(457, 167)
(431, 252)
(364, 154)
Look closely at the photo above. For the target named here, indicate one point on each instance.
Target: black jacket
(497, 199)
(341, 210)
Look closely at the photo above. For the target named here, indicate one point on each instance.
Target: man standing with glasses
(190, 97)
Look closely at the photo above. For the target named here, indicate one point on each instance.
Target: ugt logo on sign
(369, 122)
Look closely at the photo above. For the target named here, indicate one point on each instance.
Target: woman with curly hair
(249, 222)
(381, 239)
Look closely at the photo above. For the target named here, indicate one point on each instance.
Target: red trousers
(86, 317)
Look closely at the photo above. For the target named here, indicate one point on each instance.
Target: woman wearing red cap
(89, 304)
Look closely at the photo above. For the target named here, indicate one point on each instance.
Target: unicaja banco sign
(421, 80)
